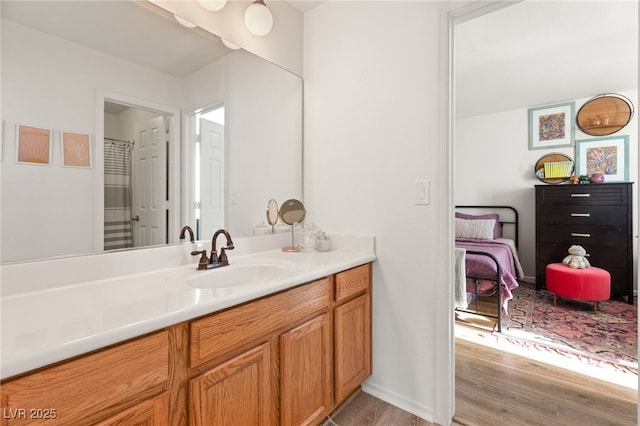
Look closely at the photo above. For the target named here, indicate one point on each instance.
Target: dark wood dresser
(597, 217)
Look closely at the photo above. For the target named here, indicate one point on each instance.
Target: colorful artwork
(76, 150)
(608, 156)
(34, 145)
(602, 159)
(551, 127)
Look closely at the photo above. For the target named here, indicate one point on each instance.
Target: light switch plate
(421, 192)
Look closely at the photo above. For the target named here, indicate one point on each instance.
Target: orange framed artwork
(34, 145)
(76, 149)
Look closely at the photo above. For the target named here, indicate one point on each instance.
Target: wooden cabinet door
(352, 345)
(305, 372)
(237, 392)
(152, 412)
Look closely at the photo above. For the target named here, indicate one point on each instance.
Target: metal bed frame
(514, 222)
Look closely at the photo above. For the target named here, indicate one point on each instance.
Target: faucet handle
(203, 258)
(223, 256)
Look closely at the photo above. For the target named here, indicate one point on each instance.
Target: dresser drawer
(584, 215)
(600, 256)
(606, 194)
(607, 236)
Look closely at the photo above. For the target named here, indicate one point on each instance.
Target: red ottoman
(591, 284)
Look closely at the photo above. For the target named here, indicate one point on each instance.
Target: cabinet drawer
(221, 333)
(606, 194)
(84, 390)
(584, 215)
(583, 235)
(352, 282)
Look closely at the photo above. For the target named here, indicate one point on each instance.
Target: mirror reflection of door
(149, 190)
(136, 207)
(210, 171)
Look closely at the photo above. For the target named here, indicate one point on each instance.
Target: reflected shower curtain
(118, 227)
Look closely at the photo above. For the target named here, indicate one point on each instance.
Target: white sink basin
(238, 275)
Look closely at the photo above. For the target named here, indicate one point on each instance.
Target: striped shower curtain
(118, 227)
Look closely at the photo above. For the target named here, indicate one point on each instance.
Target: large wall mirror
(137, 82)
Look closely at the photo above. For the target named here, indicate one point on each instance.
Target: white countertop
(46, 325)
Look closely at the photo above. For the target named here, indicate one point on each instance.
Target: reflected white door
(150, 183)
(211, 177)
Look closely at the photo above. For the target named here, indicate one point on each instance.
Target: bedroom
(492, 119)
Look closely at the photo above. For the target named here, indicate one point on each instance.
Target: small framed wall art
(76, 149)
(33, 145)
(609, 156)
(551, 126)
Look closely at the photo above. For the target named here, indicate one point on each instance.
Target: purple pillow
(496, 229)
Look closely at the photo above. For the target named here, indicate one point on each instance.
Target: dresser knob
(581, 195)
(579, 234)
(580, 215)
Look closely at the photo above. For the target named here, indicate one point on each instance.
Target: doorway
(137, 167)
(206, 139)
(520, 157)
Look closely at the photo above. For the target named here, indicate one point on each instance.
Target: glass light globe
(258, 18)
(213, 5)
(184, 22)
(230, 45)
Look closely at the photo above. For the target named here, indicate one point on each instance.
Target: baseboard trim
(393, 398)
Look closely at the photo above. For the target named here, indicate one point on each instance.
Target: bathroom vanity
(286, 349)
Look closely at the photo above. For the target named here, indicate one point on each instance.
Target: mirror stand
(293, 247)
(292, 212)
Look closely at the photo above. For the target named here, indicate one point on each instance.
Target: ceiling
(124, 29)
(306, 5)
(154, 40)
(530, 53)
(542, 52)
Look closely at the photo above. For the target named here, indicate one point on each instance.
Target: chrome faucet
(184, 230)
(215, 261)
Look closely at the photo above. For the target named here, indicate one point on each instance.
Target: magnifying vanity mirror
(292, 212)
(58, 57)
(604, 114)
(272, 214)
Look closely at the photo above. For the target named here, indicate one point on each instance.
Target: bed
(487, 262)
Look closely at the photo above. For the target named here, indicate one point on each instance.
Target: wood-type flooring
(499, 388)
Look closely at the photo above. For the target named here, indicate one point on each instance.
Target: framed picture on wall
(609, 156)
(33, 145)
(76, 149)
(551, 126)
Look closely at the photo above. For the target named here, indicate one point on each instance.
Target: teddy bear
(576, 258)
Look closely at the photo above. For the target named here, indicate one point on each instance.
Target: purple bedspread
(484, 267)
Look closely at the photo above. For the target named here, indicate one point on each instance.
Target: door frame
(188, 165)
(452, 14)
(173, 115)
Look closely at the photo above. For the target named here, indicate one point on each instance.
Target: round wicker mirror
(604, 114)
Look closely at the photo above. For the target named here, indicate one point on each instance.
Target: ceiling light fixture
(213, 5)
(184, 22)
(258, 18)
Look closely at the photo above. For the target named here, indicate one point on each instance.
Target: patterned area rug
(572, 329)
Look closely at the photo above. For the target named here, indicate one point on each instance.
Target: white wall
(42, 87)
(372, 127)
(263, 127)
(493, 165)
